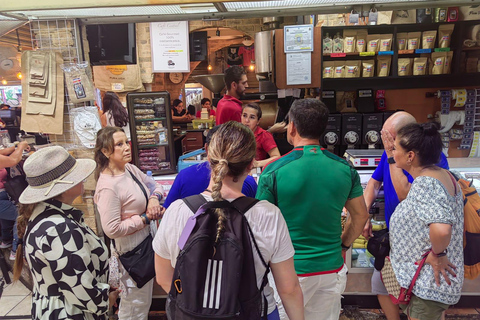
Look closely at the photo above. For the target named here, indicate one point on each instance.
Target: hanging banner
(170, 42)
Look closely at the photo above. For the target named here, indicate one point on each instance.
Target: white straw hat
(51, 171)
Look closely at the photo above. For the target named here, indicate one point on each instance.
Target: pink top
(120, 202)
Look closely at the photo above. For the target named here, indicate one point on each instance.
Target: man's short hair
(310, 117)
(205, 100)
(210, 133)
(233, 74)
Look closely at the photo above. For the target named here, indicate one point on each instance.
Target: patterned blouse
(427, 202)
(69, 265)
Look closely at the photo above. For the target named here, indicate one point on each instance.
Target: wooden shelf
(146, 146)
(407, 82)
(150, 119)
(470, 48)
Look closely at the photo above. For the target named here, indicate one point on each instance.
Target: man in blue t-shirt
(396, 184)
(194, 179)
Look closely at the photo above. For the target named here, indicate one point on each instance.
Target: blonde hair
(230, 151)
(24, 213)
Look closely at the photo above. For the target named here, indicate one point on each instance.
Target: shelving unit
(393, 81)
(161, 154)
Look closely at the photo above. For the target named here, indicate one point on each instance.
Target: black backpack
(16, 185)
(217, 281)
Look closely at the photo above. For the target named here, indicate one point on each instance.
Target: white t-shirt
(266, 221)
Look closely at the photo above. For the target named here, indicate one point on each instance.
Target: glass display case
(151, 132)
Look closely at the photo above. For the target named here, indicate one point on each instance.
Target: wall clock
(175, 77)
(6, 64)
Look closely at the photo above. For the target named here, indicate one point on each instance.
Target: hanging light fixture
(251, 67)
(4, 81)
(19, 76)
(209, 68)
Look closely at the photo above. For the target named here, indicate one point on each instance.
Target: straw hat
(51, 171)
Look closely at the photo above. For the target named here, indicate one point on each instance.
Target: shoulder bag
(140, 262)
(397, 293)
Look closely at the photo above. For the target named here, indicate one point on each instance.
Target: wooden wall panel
(281, 61)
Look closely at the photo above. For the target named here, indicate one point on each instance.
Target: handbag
(15, 186)
(140, 262)
(397, 293)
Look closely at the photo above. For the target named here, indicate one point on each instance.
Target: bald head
(397, 121)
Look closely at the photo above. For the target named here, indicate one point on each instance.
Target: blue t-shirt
(382, 174)
(194, 180)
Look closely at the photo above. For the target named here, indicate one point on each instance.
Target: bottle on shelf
(337, 43)
(327, 44)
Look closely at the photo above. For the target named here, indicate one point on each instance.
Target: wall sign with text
(170, 41)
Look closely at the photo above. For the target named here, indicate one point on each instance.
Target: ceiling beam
(26, 5)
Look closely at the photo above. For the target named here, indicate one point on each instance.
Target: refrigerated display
(151, 132)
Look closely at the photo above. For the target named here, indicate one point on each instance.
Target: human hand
(279, 127)
(367, 230)
(154, 210)
(388, 142)
(23, 145)
(112, 297)
(441, 265)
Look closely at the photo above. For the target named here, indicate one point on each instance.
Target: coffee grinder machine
(351, 130)
(214, 83)
(372, 125)
(331, 138)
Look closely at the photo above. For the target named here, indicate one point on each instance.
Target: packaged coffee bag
(373, 41)
(385, 42)
(383, 66)
(350, 37)
(352, 69)
(339, 68)
(368, 68)
(414, 40)
(445, 35)
(361, 40)
(428, 39)
(404, 67)
(328, 69)
(402, 40)
(420, 66)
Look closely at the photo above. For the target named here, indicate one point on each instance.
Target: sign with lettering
(169, 40)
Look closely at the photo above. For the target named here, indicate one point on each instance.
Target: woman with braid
(231, 154)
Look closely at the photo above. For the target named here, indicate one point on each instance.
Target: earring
(409, 162)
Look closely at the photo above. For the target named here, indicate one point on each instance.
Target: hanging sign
(169, 40)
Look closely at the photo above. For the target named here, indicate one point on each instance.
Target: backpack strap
(194, 202)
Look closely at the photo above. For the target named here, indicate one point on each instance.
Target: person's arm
(109, 208)
(279, 127)
(85, 292)
(399, 179)
(274, 155)
(440, 235)
(288, 288)
(175, 192)
(163, 272)
(14, 157)
(370, 194)
(356, 223)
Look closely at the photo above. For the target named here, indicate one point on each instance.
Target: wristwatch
(344, 247)
(144, 215)
(391, 160)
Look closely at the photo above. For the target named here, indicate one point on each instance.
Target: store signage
(423, 50)
(385, 53)
(298, 38)
(338, 55)
(366, 54)
(170, 52)
(442, 49)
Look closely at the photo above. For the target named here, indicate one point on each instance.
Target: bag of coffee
(386, 42)
(438, 62)
(383, 66)
(420, 66)
(404, 66)
(328, 69)
(368, 68)
(402, 40)
(414, 40)
(339, 68)
(448, 63)
(428, 39)
(445, 35)
(349, 37)
(352, 69)
(361, 40)
(373, 42)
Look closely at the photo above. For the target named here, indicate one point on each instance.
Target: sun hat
(51, 171)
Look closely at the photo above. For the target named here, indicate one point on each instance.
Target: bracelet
(157, 195)
(345, 247)
(144, 215)
(441, 254)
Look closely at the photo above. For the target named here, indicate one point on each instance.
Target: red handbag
(397, 293)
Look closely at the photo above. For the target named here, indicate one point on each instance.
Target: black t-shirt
(178, 114)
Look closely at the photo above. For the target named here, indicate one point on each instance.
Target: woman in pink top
(121, 204)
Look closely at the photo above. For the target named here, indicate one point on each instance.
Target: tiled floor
(16, 300)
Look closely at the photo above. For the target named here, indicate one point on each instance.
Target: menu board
(169, 40)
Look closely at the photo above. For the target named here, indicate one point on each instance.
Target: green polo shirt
(311, 186)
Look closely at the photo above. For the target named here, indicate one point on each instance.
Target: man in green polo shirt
(311, 186)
